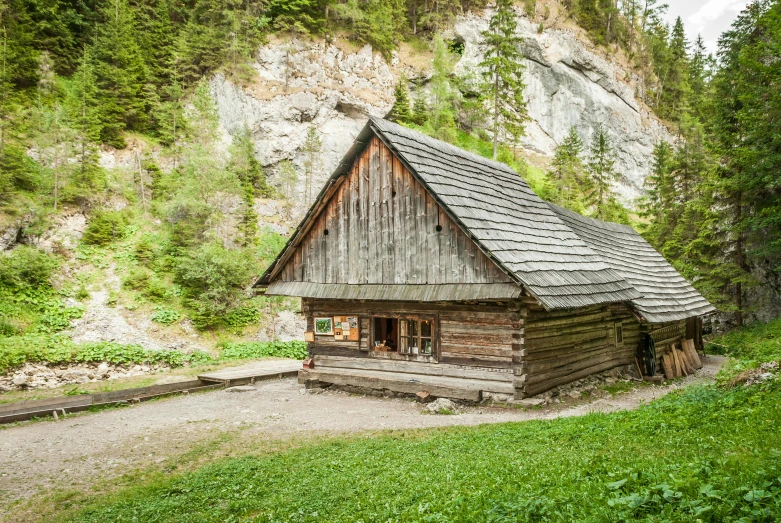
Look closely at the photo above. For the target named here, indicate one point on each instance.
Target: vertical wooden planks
(398, 216)
(386, 245)
(353, 214)
(432, 254)
(409, 219)
(375, 263)
(421, 244)
(363, 242)
(376, 237)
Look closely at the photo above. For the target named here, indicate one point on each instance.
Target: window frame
(433, 319)
(618, 331)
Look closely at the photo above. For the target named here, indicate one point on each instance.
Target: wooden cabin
(423, 267)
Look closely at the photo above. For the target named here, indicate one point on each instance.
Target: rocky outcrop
(43, 376)
(569, 85)
(303, 83)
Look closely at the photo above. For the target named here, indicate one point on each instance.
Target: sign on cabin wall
(342, 328)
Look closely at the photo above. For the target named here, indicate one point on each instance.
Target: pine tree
(296, 16)
(120, 73)
(313, 146)
(503, 75)
(419, 110)
(699, 72)
(86, 120)
(566, 172)
(601, 170)
(246, 165)
(401, 112)
(659, 201)
(441, 119)
(287, 179)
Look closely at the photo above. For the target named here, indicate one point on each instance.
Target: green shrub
(243, 316)
(247, 350)
(145, 250)
(56, 349)
(105, 227)
(165, 316)
(57, 317)
(26, 267)
(199, 357)
(7, 328)
(214, 279)
(156, 290)
(137, 279)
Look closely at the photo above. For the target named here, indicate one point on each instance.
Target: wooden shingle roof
(502, 214)
(562, 259)
(666, 295)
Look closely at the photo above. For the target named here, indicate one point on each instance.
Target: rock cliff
(303, 83)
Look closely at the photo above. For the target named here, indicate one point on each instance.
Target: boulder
(442, 406)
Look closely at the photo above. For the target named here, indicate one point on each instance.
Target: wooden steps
(258, 371)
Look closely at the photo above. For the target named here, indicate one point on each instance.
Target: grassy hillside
(706, 453)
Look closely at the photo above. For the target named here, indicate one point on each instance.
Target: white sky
(707, 17)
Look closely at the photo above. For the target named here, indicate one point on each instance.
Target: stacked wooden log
(681, 359)
(561, 347)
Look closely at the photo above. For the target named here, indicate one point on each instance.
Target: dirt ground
(81, 450)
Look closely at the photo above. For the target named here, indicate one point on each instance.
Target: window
(619, 333)
(413, 337)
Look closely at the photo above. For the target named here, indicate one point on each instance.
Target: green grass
(703, 454)
(748, 348)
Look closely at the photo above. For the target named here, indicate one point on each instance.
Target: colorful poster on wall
(324, 326)
(354, 334)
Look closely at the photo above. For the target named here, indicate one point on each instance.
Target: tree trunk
(496, 113)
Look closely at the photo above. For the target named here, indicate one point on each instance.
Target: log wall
(476, 335)
(564, 346)
(541, 349)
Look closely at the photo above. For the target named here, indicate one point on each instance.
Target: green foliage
(243, 316)
(503, 83)
(401, 112)
(724, 469)
(105, 227)
(752, 345)
(297, 16)
(26, 267)
(248, 350)
(440, 117)
(214, 280)
(567, 182)
(286, 179)
(165, 316)
(56, 349)
(601, 169)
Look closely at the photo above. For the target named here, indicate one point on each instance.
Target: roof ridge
(456, 150)
(590, 267)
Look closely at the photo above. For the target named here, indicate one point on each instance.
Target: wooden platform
(439, 380)
(258, 371)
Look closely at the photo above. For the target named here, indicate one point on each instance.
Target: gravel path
(80, 450)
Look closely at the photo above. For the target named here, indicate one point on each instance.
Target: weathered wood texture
(564, 346)
(472, 335)
(380, 226)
